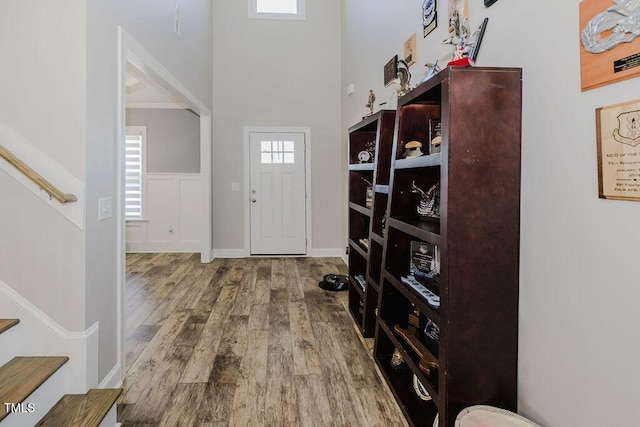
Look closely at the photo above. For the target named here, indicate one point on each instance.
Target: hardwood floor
(245, 342)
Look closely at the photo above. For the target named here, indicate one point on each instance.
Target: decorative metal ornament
(622, 21)
(371, 102)
(461, 31)
(405, 78)
(369, 194)
(429, 206)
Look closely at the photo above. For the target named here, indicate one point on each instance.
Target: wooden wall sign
(618, 133)
(620, 62)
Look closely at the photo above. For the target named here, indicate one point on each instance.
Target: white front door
(277, 199)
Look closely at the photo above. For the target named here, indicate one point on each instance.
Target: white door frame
(247, 178)
(134, 54)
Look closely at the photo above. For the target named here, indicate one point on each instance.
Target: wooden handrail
(45, 185)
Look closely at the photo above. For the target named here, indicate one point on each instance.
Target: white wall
(188, 57)
(277, 73)
(173, 138)
(579, 344)
(42, 46)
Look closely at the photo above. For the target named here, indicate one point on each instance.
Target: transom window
(277, 9)
(277, 152)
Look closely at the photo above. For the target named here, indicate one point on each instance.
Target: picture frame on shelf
(423, 260)
(435, 133)
(618, 145)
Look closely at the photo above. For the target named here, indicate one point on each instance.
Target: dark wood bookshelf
(367, 206)
(477, 240)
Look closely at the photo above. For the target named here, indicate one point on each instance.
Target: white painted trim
(113, 379)
(229, 253)
(46, 336)
(247, 178)
(49, 169)
(132, 53)
(326, 253)
(345, 258)
(157, 105)
(43, 318)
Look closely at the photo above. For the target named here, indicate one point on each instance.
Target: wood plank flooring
(245, 342)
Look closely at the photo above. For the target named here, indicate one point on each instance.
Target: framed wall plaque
(618, 134)
(429, 16)
(410, 50)
(620, 62)
(391, 70)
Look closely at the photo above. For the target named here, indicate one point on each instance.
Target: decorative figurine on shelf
(459, 26)
(369, 195)
(405, 78)
(371, 102)
(412, 149)
(429, 207)
(432, 69)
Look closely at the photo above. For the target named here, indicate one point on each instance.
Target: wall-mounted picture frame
(606, 57)
(391, 70)
(618, 145)
(410, 50)
(429, 16)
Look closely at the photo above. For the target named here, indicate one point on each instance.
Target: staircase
(22, 376)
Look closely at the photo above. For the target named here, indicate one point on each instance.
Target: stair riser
(43, 399)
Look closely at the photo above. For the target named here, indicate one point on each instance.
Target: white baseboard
(345, 258)
(325, 253)
(313, 253)
(229, 253)
(113, 379)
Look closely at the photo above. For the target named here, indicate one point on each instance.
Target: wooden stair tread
(21, 376)
(81, 410)
(6, 324)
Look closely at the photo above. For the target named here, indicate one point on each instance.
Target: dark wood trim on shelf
(410, 357)
(361, 251)
(356, 286)
(377, 238)
(423, 230)
(419, 162)
(374, 285)
(366, 122)
(360, 209)
(384, 189)
(402, 390)
(413, 297)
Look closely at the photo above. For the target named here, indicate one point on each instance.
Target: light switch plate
(105, 208)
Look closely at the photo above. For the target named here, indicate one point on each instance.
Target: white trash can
(489, 416)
